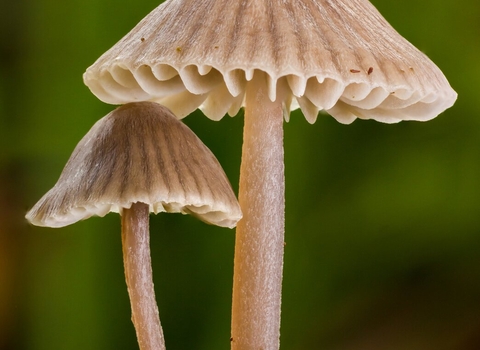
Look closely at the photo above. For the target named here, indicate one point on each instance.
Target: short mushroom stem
(259, 244)
(138, 274)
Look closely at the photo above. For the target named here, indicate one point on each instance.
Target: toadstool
(269, 56)
(139, 159)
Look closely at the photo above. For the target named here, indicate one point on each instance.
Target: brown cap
(335, 55)
(139, 153)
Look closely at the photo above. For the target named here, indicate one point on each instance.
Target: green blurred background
(382, 222)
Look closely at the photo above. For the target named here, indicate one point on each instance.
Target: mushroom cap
(139, 152)
(340, 56)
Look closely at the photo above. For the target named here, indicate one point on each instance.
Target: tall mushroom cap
(341, 56)
(139, 152)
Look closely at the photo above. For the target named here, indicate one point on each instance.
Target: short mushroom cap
(139, 152)
(335, 55)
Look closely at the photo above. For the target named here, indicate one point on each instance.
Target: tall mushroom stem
(138, 274)
(259, 243)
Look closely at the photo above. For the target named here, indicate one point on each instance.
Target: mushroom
(269, 56)
(138, 159)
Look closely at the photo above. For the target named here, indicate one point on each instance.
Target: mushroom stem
(138, 274)
(259, 243)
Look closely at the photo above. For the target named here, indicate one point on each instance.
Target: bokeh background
(382, 221)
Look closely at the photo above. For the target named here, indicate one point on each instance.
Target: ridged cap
(139, 152)
(335, 55)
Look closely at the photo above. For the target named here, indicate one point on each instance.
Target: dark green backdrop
(382, 222)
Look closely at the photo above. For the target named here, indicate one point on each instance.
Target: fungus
(269, 56)
(136, 160)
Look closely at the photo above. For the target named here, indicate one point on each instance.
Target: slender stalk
(259, 243)
(138, 274)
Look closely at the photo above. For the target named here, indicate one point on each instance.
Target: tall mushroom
(269, 56)
(139, 159)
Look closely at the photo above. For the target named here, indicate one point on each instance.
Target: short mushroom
(138, 159)
(272, 56)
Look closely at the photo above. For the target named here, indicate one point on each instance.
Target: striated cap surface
(335, 55)
(139, 153)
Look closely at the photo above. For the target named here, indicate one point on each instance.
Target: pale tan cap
(139, 152)
(340, 56)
